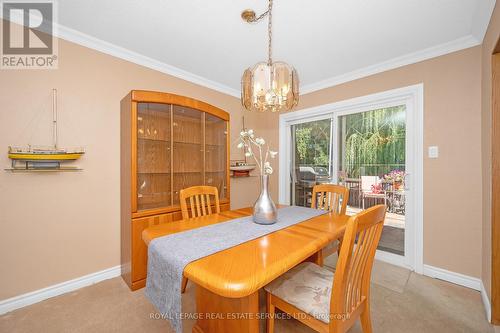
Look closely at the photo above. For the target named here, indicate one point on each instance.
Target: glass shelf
(154, 173)
(198, 171)
(154, 140)
(187, 143)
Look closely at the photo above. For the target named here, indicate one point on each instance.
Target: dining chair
(199, 201)
(332, 198)
(326, 301)
(200, 204)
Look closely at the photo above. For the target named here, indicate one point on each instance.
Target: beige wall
(489, 43)
(452, 121)
(59, 226)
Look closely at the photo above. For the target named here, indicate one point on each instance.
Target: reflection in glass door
(311, 159)
(372, 164)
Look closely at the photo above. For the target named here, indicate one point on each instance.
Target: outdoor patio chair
(367, 184)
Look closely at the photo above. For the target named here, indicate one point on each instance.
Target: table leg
(226, 315)
(316, 258)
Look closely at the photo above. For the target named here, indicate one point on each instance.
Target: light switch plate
(433, 152)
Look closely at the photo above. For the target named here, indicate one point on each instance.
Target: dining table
(228, 282)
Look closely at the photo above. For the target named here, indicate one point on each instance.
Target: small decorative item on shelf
(397, 177)
(241, 168)
(264, 210)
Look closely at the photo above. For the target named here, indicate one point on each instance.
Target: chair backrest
(367, 182)
(199, 201)
(330, 197)
(351, 285)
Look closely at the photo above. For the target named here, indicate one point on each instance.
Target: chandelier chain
(270, 33)
(269, 29)
(268, 86)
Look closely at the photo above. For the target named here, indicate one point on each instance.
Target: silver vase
(264, 210)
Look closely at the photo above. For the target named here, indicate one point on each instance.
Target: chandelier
(268, 86)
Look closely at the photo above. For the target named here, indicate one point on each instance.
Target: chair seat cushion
(307, 287)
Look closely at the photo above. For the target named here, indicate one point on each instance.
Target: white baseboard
(456, 278)
(36, 296)
(486, 302)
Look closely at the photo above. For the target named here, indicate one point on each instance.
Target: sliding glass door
(372, 164)
(311, 159)
(362, 150)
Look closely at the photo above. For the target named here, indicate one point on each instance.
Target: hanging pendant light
(268, 86)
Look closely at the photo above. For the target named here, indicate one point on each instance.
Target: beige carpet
(401, 302)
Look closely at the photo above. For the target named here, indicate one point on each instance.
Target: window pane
(310, 159)
(215, 153)
(372, 156)
(188, 149)
(153, 155)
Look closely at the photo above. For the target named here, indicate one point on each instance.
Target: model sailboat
(44, 158)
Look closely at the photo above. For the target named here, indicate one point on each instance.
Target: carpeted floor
(401, 302)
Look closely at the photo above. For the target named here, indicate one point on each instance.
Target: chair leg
(339, 246)
(366, 322)
(184, 285)
(271, 310)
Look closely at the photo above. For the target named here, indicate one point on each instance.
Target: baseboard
(456, 278)
(486, 302)
(36, 296)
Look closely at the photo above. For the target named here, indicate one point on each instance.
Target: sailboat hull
(45, 157)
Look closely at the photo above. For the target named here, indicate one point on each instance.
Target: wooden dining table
(228, 282)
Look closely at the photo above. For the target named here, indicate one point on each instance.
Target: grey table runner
(169, 255)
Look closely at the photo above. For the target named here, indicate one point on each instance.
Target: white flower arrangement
(249, 142)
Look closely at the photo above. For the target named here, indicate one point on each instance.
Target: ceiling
(327, 41)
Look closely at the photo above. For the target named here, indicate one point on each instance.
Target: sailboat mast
(54, 116)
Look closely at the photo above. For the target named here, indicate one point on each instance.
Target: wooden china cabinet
(168, 142)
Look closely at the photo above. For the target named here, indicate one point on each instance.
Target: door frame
(495, 187)
(413, 98)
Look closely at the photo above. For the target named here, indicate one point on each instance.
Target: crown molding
(408, 59)
(136, 58)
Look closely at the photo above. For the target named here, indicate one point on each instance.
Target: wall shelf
(43, 170)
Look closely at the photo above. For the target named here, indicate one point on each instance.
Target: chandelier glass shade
(269, 86)
(272, 87)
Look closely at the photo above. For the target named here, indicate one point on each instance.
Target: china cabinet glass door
(188, 149)
(215, 153)
(153, 155)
